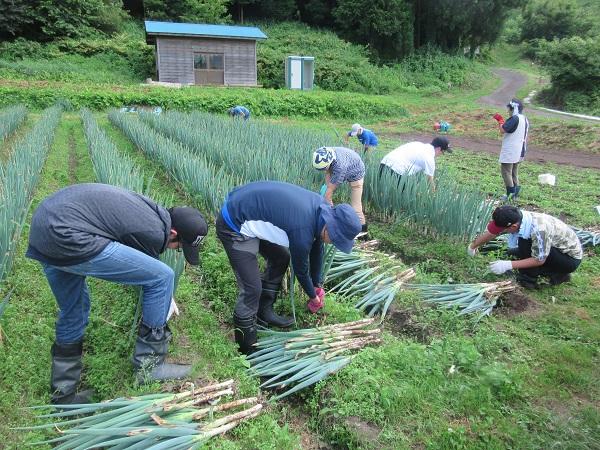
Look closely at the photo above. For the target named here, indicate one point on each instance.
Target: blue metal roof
(201, 29)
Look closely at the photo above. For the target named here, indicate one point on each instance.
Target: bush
(317, 104)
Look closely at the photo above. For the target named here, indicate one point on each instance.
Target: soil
(516, 302)
(364, 431)
(400, 323)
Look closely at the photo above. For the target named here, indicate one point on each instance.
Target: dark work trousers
(386, 169)
(243, 257)
(556, 262)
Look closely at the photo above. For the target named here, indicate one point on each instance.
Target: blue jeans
(117, 263)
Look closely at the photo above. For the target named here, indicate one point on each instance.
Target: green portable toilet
(299, 72)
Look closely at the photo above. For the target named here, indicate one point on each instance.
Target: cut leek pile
(477, 298)
(294, 360)
(186, 420)
(363, 276)
(587, 238)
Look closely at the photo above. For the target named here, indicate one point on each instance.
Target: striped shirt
(347, 166)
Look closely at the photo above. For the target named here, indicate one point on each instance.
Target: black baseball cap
(191, 229)
(441, 142)
(503, 217)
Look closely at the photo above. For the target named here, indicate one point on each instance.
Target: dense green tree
(239, 8)
(549, 19)
(15, 16)
(386, 26)
(198, 11)
(317, 12)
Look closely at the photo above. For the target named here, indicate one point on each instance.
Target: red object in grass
(436, 126)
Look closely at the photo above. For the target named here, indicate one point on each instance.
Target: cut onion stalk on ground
(156, 421)
(297, 359)
(479, 298)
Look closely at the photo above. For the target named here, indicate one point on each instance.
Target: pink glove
(318, 302)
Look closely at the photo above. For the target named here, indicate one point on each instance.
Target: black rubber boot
(559, 278)
(517, 190)
(66, 373)
(151, 348)
(245, 333)
(527, 281)
(266, 315)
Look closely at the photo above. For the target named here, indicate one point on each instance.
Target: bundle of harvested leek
(587, 238)
(380, 296)
(470, 298)
(305, 357)
(156, 421)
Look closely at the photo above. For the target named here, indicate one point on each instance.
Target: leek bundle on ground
(362, 274)
(294, 360)
(587, 238)
(479, 298)
(157, 421)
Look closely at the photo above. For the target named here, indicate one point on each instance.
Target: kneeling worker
(415, 157)
(342, 165)
(116, 235)
(544, 245)
(278, 220)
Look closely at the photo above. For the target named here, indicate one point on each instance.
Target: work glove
(499, 118)
(471, 251)
(318, 302)
(499, 267)
(173, 309)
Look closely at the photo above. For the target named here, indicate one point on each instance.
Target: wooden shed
(190, 53)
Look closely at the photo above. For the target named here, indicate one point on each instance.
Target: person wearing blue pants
(116, 235)
(239, 111)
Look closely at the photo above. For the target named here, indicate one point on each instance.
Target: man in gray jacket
(116, 235)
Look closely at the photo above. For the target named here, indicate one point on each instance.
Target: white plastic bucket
(547, 178)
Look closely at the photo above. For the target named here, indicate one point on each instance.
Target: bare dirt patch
(365, 432)
(516, 302)
(400, 323)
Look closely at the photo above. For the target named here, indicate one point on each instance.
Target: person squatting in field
(542, 244)
(116, 235)
(366, 137)
(278, 221)
(415, 157)
(514, 146)
(342, 165)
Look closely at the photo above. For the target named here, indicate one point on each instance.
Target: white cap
(355, 129)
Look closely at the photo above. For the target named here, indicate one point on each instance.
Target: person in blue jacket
(239, 111)
(280, 221)
(366, 137)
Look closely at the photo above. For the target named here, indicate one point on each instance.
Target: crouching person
(542, 244)
(279, 221)
(116, 235)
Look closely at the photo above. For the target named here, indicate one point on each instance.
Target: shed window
(208, 61)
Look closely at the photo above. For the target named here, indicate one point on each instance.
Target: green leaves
(10, 119)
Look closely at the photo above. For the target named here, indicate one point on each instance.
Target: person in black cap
(415, 157)
(116, 235)
(514, 146)
(278, 220)
(542, 244)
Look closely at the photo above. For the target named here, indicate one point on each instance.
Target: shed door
(209, 68)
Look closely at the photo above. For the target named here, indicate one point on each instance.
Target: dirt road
(535, 154)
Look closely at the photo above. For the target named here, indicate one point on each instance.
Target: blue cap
(343, 225)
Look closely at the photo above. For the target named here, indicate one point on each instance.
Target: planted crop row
(10, 119)
(252, 151)
(201, 179)
(18, 179)
(450, 209)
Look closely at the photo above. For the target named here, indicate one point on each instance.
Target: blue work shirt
(367, 138)
(239, 111)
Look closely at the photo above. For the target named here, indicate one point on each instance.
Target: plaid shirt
(548, 231)
(347, 166)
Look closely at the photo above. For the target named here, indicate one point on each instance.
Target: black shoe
(364, 233)
(245, 333)
(559, 278)
(66, 373)
(151, 348)
(266, 315)
(528, 282)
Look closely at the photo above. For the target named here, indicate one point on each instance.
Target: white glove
(499, 267)
(173, 309)
(471, 251)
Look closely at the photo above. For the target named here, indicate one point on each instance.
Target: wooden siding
(175, 59)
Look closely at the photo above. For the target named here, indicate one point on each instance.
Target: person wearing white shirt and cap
(415, 157)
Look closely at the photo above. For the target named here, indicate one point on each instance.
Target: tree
(386, 26)
(191, 11)
(545, 19)
(15, 16)
(317, 12)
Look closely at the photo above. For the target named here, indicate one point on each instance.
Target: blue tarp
(200, 29)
